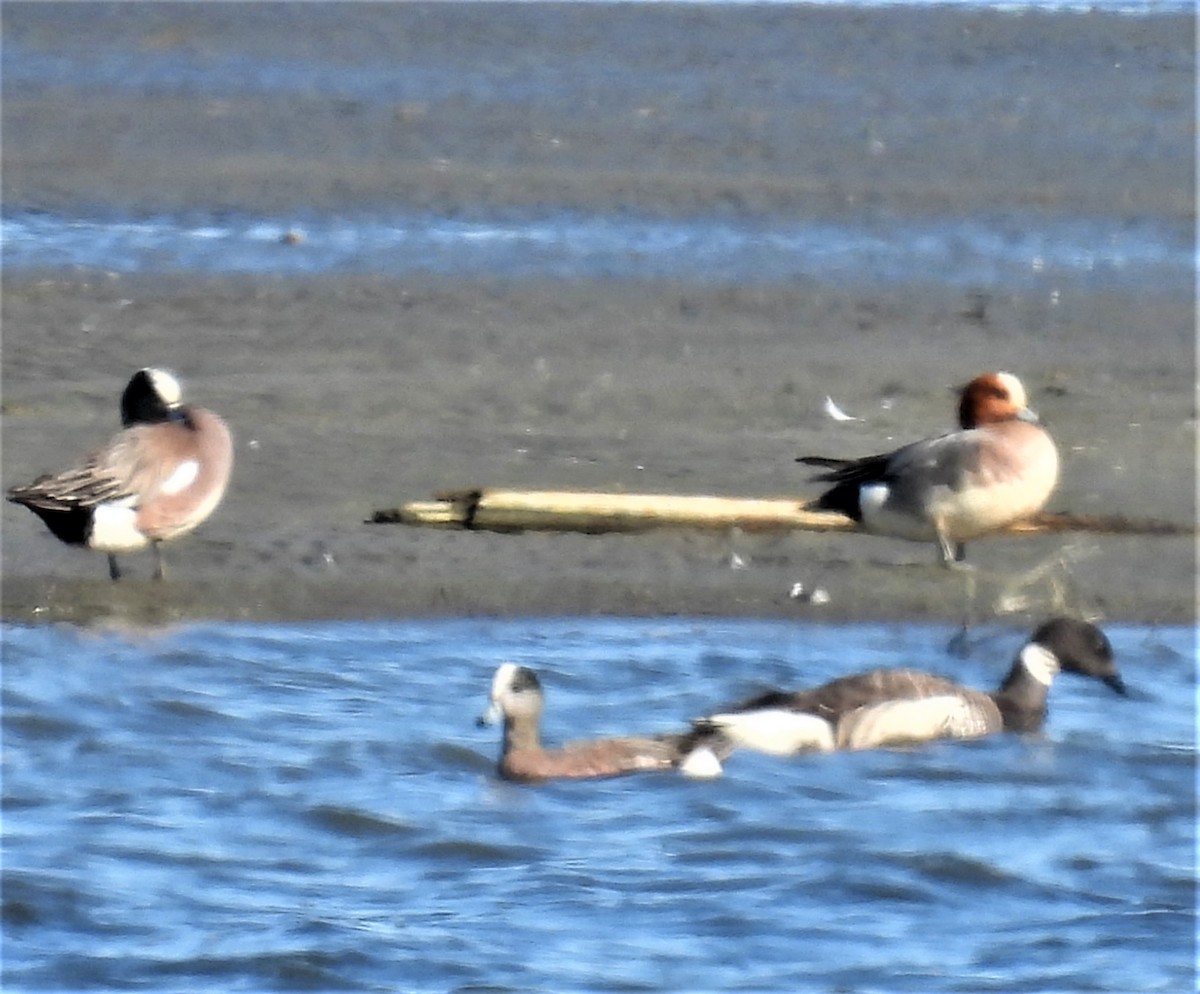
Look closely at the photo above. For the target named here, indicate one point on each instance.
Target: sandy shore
(350, 393)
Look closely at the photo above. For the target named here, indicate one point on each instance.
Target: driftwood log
(582, 511)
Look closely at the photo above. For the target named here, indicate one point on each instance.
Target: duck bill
(1116, 684)
(490, 716)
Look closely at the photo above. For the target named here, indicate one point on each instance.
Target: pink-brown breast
(1011, 475)
(167, 508)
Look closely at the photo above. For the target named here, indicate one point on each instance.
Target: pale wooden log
(547, 510)
(431, 513)
(1100, 524)
(594, 512)
(600, 512)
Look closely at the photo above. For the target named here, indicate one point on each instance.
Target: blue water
(958, 252)
(310, 807)
(1021, 249)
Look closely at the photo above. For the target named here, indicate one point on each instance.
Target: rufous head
(993, 397)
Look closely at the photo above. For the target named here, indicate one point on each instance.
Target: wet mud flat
(349, 392)
(633, 389)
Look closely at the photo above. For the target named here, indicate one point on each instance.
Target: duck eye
(524, 680)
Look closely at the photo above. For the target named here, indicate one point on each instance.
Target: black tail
(705, 733)
(844, 498)
(848, 475)
(72, 526)
(826, 462)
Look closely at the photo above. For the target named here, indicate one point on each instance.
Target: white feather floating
(836, 412)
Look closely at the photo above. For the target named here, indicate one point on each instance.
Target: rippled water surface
(1026, 252)
(254, 807)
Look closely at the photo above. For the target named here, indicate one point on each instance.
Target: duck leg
(158, 561)
(970, 591)
(953, 555)
(114, 571)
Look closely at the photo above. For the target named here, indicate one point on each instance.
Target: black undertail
(72, 526)
(849, 476)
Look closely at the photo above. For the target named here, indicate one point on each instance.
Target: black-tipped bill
(1116, 683)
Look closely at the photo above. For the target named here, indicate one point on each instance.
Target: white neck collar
(1040, 663)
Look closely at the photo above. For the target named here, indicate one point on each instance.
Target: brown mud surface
(349, 393)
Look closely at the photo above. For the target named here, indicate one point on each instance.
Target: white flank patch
(775, 731)
(947, 716)
(906, 522)
(701, 763)
(1041, 663)
(872, 497)
(114, 528)
(182, 477)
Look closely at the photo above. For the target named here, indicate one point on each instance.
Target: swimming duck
(884, 707)
(517, 700)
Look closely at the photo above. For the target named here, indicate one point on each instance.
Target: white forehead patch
(502, 681)
(183, 476)
(1016, 390)
(166, 386)
(1041, 663)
